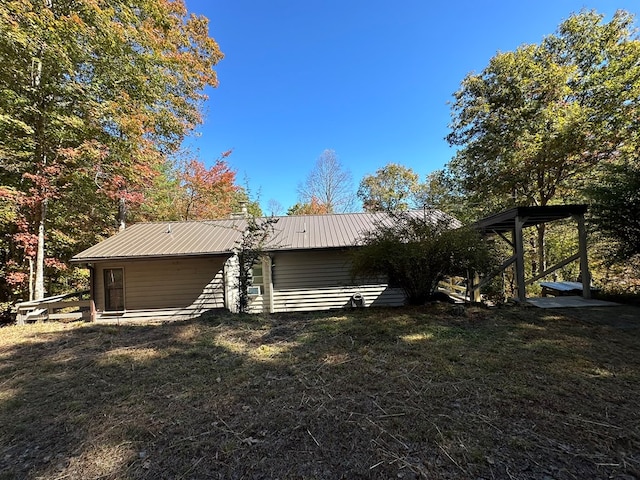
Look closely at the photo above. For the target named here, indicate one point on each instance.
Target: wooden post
(267, 272)
(519, 253)
(584, 260)
(475, 295)
(470, 286)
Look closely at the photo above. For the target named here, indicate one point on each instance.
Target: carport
(509, 225)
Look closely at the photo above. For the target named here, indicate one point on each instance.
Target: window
(254, 290)
(257, 280)
(114, 289)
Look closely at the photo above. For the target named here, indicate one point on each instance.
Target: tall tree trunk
(39, 285)
(41, 161)
(31, 265)
(122, 214)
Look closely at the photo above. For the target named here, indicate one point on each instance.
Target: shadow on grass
(389, 393)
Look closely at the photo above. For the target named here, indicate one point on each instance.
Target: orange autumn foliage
(207, 192)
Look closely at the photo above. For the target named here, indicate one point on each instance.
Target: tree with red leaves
(207, 192)
(314, 207)
(97, 97)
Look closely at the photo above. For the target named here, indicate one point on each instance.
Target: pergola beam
(549, 270)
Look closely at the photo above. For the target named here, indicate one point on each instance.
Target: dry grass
(411, 393)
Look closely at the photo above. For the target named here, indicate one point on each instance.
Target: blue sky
(370, 79)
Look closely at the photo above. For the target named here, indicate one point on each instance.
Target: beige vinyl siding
(321, 280)
(183, 286)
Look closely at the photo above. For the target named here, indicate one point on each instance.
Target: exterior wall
(176, 287)
(231, 289)
(321, 280)
(257, 303)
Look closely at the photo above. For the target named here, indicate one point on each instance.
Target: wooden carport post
(585, 275)
(518, 245)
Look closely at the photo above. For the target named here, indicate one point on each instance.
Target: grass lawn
(435, 392)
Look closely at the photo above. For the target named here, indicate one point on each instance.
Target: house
(183, 269)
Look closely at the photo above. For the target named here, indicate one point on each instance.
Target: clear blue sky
(370, 79)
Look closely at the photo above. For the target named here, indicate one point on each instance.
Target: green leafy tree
(616, 208)
(441, 192)
(392, 188)
(535, 123)
(415, 250)
(95, 97)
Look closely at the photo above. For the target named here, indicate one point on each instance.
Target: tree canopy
(535, 122)
(96, 97)
(616, 209)
(314, 207)
(392, 188)
(543, 123)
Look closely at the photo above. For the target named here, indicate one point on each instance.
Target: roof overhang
(82, 260)
(529, 216)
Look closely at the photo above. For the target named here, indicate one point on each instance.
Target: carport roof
(506, 221)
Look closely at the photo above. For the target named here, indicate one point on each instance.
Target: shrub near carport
(415, 251)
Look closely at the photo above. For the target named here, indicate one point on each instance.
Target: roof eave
(161, 256)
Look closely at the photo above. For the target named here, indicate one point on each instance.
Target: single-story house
(183, 269)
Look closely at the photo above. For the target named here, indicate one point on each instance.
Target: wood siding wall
(188, 286)
(321, 280)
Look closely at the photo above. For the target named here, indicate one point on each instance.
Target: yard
(438, 392)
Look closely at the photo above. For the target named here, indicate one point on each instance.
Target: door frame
(106, 290)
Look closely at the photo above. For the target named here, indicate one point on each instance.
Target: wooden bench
(558, 289)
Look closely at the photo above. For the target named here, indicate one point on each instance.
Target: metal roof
(505, 221)
(143, 240)
(220, 237)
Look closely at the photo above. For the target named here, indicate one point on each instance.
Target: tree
(329, 183)
(95, 97)
(392, 188)
(314, 207)
(616, 208)
(439, 191)
(536, 122)
(414, 252)
(274, 207)
(207, 192)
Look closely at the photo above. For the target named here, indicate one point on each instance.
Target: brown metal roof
(505, 221)
(220, 237)
(143, 240)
